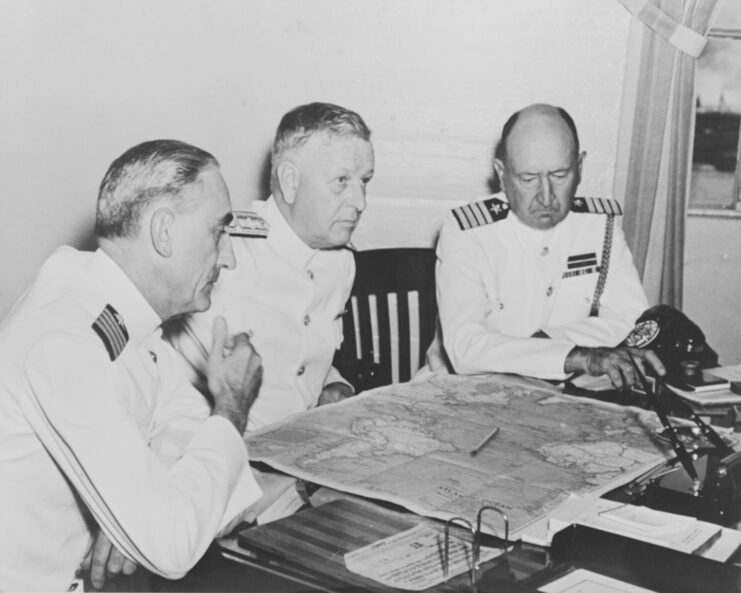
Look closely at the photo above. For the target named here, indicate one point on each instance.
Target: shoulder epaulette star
(596, 206)
(480, 213)
(248, 224)
(111, 330)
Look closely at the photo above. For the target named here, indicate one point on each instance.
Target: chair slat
(381, 272)
(384, 340)
(404, 337)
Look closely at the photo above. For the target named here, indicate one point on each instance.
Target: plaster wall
(83, 80)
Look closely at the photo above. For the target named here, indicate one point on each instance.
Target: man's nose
(357, 196)
(545, 191)
(226, 254)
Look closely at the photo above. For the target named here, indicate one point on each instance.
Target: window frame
(733, 209)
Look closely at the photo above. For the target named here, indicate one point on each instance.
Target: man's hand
(613, 362)
(104, 559)
(334, 392)
(234, 375)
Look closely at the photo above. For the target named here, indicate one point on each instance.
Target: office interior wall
(83, 80)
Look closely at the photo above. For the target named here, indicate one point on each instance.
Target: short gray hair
(299, 124)
(143, 174)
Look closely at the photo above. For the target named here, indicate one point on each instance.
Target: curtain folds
(652, 175)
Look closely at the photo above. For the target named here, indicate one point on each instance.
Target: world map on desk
(410, 444)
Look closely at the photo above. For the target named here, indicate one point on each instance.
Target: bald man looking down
(534, 280)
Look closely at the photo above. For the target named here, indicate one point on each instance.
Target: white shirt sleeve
(162, 513)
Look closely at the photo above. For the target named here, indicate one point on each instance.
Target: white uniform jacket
(289, 298)
(499, 282)
(99, 424)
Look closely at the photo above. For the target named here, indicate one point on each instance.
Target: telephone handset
(676, 340)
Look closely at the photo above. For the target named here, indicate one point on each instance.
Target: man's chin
(541, 223)
(341, 239)
(203, 303)
(544, 221)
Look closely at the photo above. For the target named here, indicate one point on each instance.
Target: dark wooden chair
(390, 318)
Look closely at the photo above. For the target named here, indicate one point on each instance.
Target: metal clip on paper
(475, 541)
(477, 535)
(446, 554)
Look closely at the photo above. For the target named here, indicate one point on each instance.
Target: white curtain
(657, 129)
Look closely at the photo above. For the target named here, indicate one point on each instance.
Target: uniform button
(301, 370)
(544, 252)
(307, 319)
(549, 292)
(310, 274)
(153, 356)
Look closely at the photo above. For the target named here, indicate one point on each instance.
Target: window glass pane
(718, 100)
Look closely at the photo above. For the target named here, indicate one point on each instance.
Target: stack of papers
(586, 581)
(678, 532)
(413, 559)
(718, 396)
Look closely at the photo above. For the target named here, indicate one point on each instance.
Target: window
(716, 170)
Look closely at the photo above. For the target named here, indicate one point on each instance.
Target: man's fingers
(129, 567)
(241, 341)
(629, 374)
(115, 562)
(616, 363)
(615, 376)
(651, 359)
(219, 337)
(101, 551)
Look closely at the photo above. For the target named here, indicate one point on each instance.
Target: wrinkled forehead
(328, 148)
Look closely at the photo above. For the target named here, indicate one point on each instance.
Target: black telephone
(676, 340)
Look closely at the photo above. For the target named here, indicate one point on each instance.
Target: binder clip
(446, 553)
(475, 542)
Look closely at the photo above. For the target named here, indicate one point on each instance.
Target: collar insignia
(248, 224)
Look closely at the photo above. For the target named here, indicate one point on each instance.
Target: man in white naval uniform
(289, 289)
(533, 280)
(99, 425)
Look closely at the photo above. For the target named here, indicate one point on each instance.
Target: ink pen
(484, 442)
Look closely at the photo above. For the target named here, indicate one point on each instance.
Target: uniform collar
(292, 247)
(118, 291)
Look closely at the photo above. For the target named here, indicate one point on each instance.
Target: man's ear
(580, 162)
(499, 168)
(160, 230)
(288, 178)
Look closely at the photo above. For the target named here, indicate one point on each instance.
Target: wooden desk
(310, 547)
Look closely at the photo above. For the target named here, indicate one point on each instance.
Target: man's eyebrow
(536, 173)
